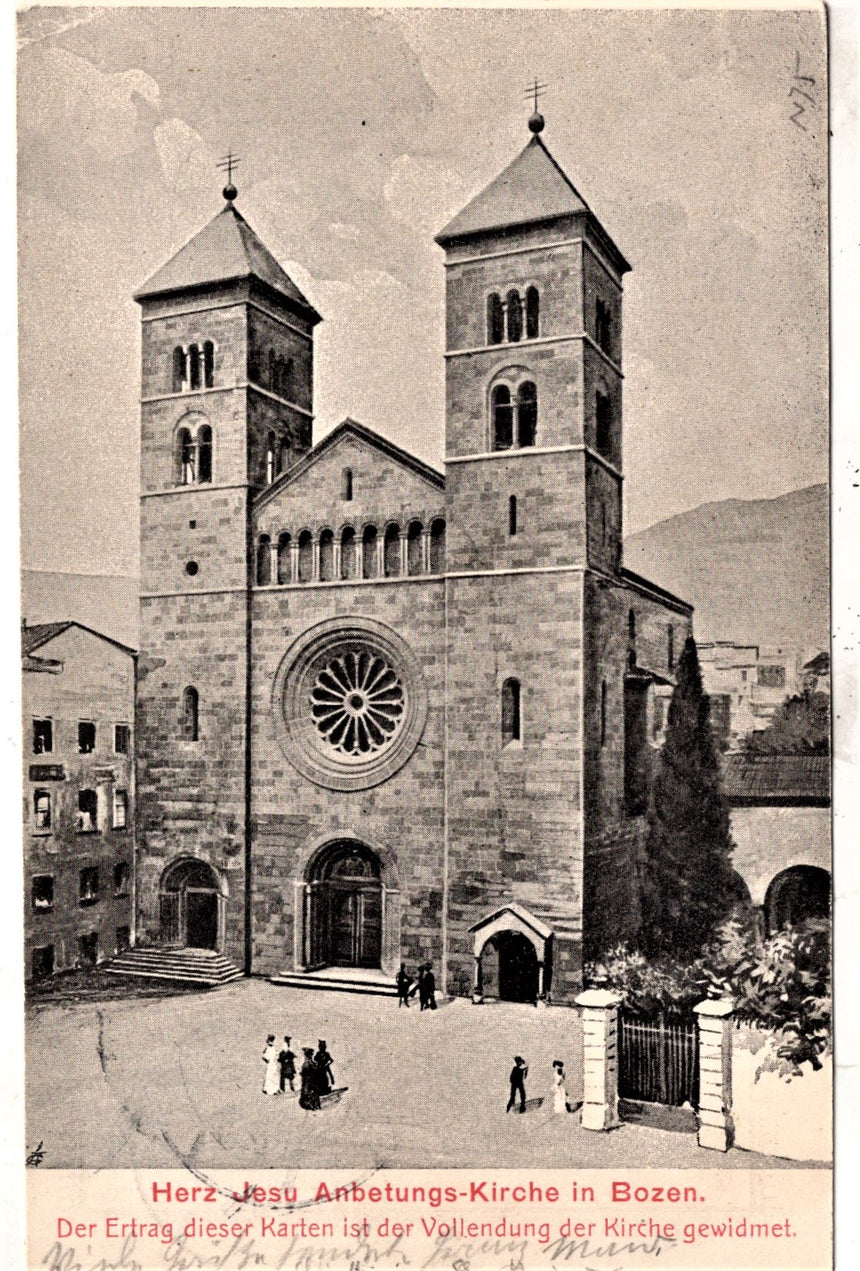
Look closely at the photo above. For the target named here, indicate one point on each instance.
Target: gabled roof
(775, 779)
(40, 633)
(531, 189)
(225, 250)
(350, 427)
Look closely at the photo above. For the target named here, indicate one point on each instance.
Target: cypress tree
(688, 884)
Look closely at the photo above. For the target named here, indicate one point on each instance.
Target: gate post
(716, 1126)
(599, 1059)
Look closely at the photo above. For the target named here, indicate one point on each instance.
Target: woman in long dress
(309, 1097)
(272, 1079)
(559, 1092)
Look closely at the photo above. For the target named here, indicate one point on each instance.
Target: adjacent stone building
(384, 714)
(78, 778)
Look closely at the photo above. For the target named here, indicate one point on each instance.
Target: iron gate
(658, 1059)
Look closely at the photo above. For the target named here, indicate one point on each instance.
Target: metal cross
(536, 91)
(229, 162)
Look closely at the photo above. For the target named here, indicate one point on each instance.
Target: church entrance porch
(343, 901)
(512, 956)
(190, 905)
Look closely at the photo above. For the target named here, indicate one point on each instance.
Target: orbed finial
(536, 119)
(229, 162)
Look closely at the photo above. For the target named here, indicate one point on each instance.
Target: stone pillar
(716, 1126)
(380, 556)
(294, 562)
(315, 567)
(477, 986)
(273, 561)
(425, 551)
(335, 560)
(599, 1059)
(404, 552)
(359, 557)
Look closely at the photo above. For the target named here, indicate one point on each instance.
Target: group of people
(315, 1075)
(520, 1071)
(424, 984)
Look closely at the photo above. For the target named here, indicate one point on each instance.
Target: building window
(515, 317)
(603, 713)
(670, 647)
(437, 546)
(88, 890)
(391, 553)
(326, 556)
(603, 326)
(514, 421)
(194, 456)
(346, 485)
(204, 454)
(120, 809)
(348, 556)
(42, 809)
(503, 418)
(194, 361)
(264, 560)
(186, 453)
(306, 557)
(86, 737)
(495, 319)
(414, 537)
(208, 364)
(369, 538)
(121, 878)
(532, 313)
(121, 739)
(88, 812)
(603, 424)
(637, 766)
(42, 893)
(284, 568)
(190, 714)
(526, 414)
(771, 676)
(88, 949)
(511, 723)
(512, 515)
(42, 962)
(43, 736)
(270, 458)
(180, 364)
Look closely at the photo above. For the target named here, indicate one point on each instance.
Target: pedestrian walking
(422, 993)
(324, 1061)
(272, 1079)
(559, 1087)
(404, 983)
(309, 1098)
(429, 987)
(519, 1072)
(287, 1060)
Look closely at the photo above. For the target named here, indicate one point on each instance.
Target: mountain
(757, 571)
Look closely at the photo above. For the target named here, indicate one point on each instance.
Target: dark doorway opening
(796, 896)
(189, 906)
(343, 924)
(509, 968)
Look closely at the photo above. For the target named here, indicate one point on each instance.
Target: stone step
(188, 966)
(368, 986)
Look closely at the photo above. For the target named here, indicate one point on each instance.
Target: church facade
(384, 714)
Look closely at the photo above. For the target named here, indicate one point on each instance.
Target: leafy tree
(800, 726)
(688, 884)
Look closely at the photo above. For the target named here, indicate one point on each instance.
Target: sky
(361, 132)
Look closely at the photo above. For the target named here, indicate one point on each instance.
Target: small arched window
(191, 714)
(515, 317)
(346, 485)
(179, 369)
(369, 539)
(532, 313)
(204, 454)
(208, 364)
(503, 417)
(603, 423)
(185, 457)
(414, 537)
(511, 721)
(495, 319)
(512, 515)
(347, 553)
(437, 546)
(193, 367)
(306, 557)
(526, 414)
(326, 556)
(271, 444)
(264, 560)
(284, 568)
(392, 551)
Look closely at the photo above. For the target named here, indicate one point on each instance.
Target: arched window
(515, 317)
(284, 570)
(603, 423)
(495, 319)
(271, 443)
(326, 556)
(208, 364)
(413, 547)
(437, 546)
(532, 313)
(346, 485)
(503, 417)
(204, 454)
(526, 414)
(190, 714)
(369, 538)
(347, 553)
(179, 369)
(392, 551)
(185, 457)
(193, 367)
(512, 515)
(264, 560)
(511, 722)
(306, 557)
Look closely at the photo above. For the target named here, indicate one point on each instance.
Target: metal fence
(658, 1059)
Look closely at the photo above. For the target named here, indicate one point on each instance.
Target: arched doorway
(509, 968)
(190, 905)
(343, 920)
(796, 895)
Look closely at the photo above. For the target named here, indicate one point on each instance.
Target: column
(599, 1059)
(425, 550)
(359, 556)
(294, 562)
(335, 560)
(299, 909)
(315, 567)
(273, 560)
(716, 1126)
(477, 986)
(380, 556)
(404, 553)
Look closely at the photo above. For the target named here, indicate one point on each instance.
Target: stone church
(386, 714)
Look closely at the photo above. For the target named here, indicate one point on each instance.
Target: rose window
(357, 702)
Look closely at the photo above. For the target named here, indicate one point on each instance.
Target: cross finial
(535, 91)
(230, 161)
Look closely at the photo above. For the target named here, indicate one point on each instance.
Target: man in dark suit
(519, 1072)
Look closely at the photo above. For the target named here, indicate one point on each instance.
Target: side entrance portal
(343, 918)
(189, 905)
